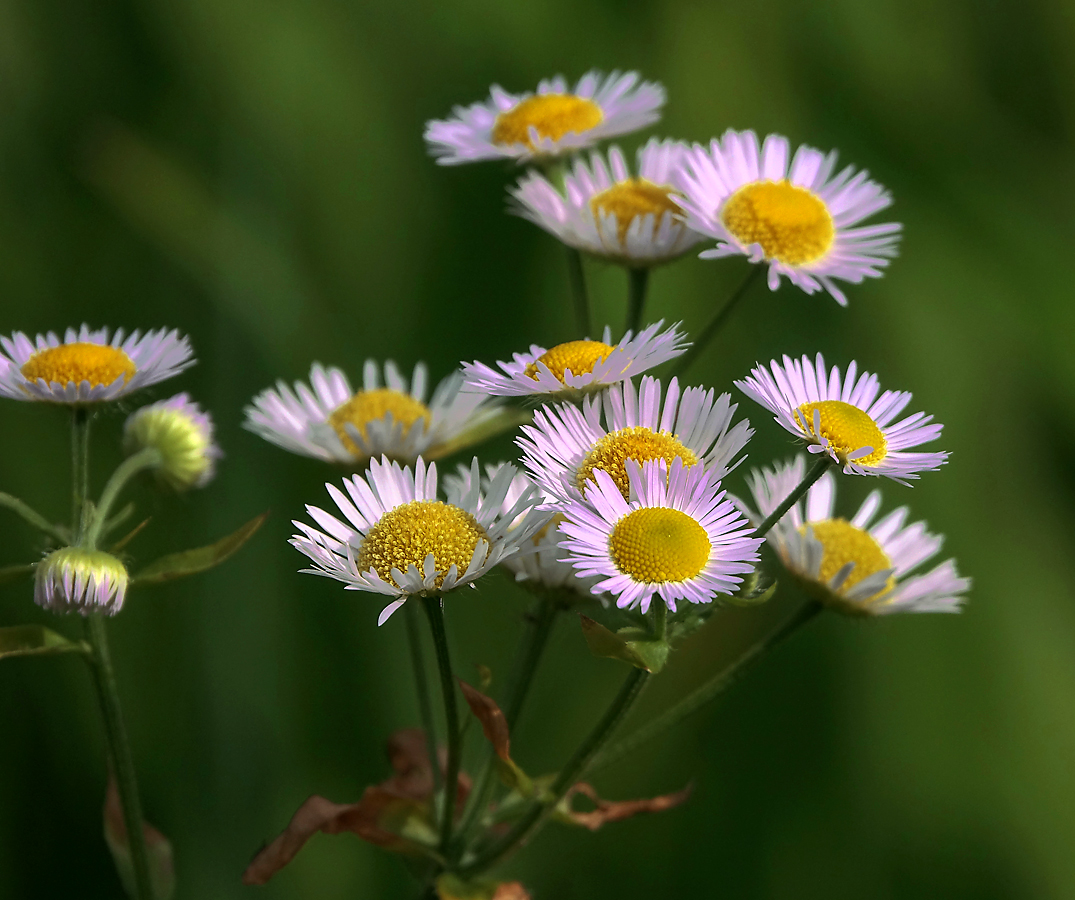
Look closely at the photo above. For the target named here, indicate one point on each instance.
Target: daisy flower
(87, 366)
(566, 445)
(577, 367)
(605, 211)
(551, 122)
(799, 218)
(76, 579)
(396, 538)
(328, 420)
(678, 536)
(183, 434)
(845, 417)
(851, 566)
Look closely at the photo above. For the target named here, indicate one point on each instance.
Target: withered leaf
(615, 811)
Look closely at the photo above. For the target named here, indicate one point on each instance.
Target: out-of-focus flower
(74, 579)
(183, 434)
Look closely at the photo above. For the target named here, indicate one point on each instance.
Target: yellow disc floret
(655, 545)
(610, 454)
(847, 428)
(632, 198)
(845, 543)
(792, 224)
(99, 364)
(369, 406)
(406, 535)
(578, 357)
(552, 115)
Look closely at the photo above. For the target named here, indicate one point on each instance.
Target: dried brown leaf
(615, 811)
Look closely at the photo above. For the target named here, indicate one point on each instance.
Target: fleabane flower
(678, 537)
(397, 538)
(566, 445)
(553, 121)
(183, 434)
(74, 579)
(606, 212)
(578, 367)
(790, 213)
(846, 417)
(88, 366)
(853, 566)
(328, 420)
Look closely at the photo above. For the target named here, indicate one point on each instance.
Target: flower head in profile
(328, 420)
(678, 536)
(183, 434)
(88, 366)
(605, 211)
(74, 579)
(555, 120)
(846, 417)
(397, 538)
(566, 445)
(790, 213)
(858, 566)
(577, 367)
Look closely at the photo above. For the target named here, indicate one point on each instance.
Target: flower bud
(183, 433)
(74, 579)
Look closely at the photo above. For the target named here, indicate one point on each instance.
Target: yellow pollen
(792, 224)
(578, 356)
(98, 364)
(406, 535)
(655, 545)
(553, 115)
(610, 454)
(845, 543)
(632, 198)
(846, 427)
(368, 406)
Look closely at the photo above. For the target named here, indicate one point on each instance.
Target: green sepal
(191, 562)
(753, 592)
(36, 640)
(631, 645)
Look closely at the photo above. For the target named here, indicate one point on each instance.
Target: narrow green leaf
(191, 562)
(35, 640)
(14, 573)
(630, 645)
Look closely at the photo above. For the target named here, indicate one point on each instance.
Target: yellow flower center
(846, 427)
(844, 543)
(369, 406)
(610, 454)
(577, 356)
(657, 544)
(406, 535)
(632, 198)
(792, 224)
(553, 115)
(98, 364)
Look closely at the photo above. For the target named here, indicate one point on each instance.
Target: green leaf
(14, 573)
(36, 640)
(630, 645)
(191, 562)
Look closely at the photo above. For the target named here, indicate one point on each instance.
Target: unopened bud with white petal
(74, 579)
(183, 434)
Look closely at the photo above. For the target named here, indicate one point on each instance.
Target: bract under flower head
(74, 579)
(183, 433)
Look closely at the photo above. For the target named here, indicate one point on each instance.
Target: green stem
(421, 687)
(575, 769)
(660, 619)
(717, 322)
(816, 471)
(451, 714)
(637, 283)
(700, 696)
(577, 278)
(149, 458)
(80, 467)
(34, 518)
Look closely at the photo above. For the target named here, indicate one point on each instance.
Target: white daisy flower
(566, 445)
(396, 537)
(75, 579)
(554, 121)
(856, 568)
(577, 367)
(845, 417)
(329, 421)
(798, 217)
(678, 536)
(87, 366)
(605, 211)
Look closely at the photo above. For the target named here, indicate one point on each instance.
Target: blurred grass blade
(35, 640)
(201, 559)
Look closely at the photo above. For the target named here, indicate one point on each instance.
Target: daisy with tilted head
(851, 566)
(578, 367)
(396, 538)
(605, 211)
(565, 446)
(328, 420)
(678, 536)
(846, 417)
(790, 213)
(87, 366)
(553, 121)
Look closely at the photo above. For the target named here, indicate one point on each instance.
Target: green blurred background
(253, 173)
